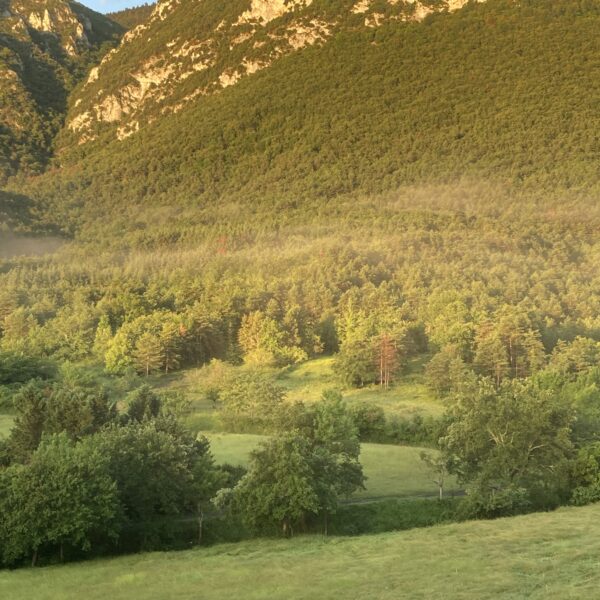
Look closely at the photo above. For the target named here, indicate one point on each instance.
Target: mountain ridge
(131, 17)
(45, 48)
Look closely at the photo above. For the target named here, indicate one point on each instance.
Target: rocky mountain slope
(45, 48)
(190, 49)
(274, 105)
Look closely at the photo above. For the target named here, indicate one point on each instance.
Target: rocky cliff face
(45, 47)
(189, 49)
(60, 27)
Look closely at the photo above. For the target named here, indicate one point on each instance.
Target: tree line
(80, 475)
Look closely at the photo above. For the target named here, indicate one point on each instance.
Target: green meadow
(391, 471)
(541, 556)
(409, 396)
(5, 425)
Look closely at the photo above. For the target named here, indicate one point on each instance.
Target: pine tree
(491, 356)
(148, 355)
(170, 345)
(387, 359)
(103, 336)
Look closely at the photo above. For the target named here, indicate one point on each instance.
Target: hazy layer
(12, 245)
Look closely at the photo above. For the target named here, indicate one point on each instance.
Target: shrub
(370, 421)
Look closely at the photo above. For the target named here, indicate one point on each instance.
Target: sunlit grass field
(539, 557)
(5, 425)
(391, 471)
(408, 397)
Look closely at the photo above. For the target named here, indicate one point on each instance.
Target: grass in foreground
(392, 471)
(541, 556)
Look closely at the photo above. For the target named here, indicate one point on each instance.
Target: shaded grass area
(540, 556)
(391, 471)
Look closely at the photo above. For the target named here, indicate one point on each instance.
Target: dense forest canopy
(132, 17)
(465, 95)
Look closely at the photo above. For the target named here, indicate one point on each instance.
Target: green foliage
(334, 425)
(447, 372)
(250, 401)
(28, 428)
(576, 356)
(355, 364)
(391, 515)
(129, 18)
(148, 354)
(152, 474)
(369, 420)
(373, 336)
(508, 346)
(512, 446)
(297, 475)
(586, 475)
(143, 405)
(55, 408)
(160, 340)
(78, 412)
(507, 501)
(160, 471)
(584, 393)
(39, 74)
(280, 488)
(265, 342)
(334, 433)
(15, 369)
(416, 430)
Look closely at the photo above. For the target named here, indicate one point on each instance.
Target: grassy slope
(408, 397)
(5, 424)
(391, 470)
(549, 555)
(306, 382)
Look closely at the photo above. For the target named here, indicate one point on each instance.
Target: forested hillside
(495, 92)
(45, 49)
(187, 50)
(132, 17)
(432, 181)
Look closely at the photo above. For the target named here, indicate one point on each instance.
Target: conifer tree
(149, 354)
